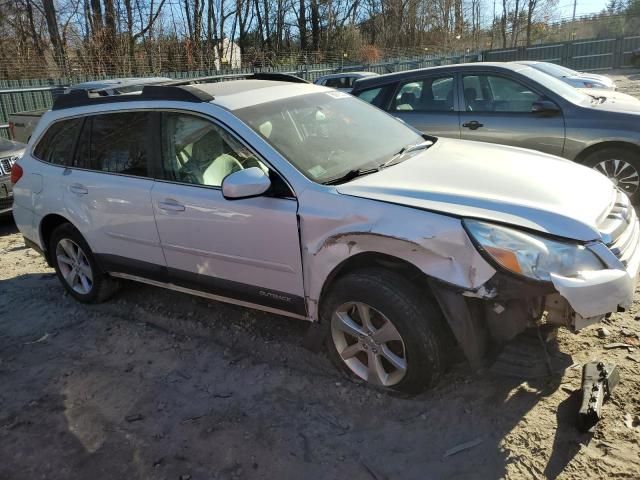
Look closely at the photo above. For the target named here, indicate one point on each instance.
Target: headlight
(530, 255)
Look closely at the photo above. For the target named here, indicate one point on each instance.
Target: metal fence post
(618, 52)
(566, 54)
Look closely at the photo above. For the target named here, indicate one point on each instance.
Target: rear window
(58, 143)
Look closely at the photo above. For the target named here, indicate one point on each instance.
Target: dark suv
(517, 105)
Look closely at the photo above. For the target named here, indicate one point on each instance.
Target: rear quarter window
(57, 145)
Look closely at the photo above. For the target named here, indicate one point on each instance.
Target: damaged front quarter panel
(435, 244)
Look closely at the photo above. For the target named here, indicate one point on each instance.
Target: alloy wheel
(369, 344)
(621, 173)
(74, 266)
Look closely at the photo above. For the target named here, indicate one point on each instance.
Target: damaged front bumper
(506, 305)
(588, 297)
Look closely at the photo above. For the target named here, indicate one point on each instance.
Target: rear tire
(76, 267)
(621, 165)
(408, 355)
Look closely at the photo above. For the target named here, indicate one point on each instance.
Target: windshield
(555, 70)
(555, 85)
(327, 134)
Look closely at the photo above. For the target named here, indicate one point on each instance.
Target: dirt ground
(160, 385)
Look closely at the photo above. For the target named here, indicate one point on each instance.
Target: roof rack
(79, 98)
(273, 76)
(178, 90)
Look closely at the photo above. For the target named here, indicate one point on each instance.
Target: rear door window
(58, 143)
(121, 143)
(425, 95)
(377, 96)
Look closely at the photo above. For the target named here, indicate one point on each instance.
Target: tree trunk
(54, 34)
(302, 26)
(315, 25)
(35, 36)
(514, 25)
(532, 6)
(130, 41)
(503, 24)
(96, 17)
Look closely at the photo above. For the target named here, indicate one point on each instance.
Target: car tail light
(12, 131)
(16, 173)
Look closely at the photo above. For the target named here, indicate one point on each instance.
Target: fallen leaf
(41, 339)
(463, 446)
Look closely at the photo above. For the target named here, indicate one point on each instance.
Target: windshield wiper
(414, 147)
(350, 175)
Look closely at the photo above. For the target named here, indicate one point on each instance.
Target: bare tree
(54, 33)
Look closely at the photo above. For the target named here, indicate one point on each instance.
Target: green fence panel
(593, 54)
(629, 44)
(545, 53)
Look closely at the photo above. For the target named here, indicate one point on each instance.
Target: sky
(583, 7)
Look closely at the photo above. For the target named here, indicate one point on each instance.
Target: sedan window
(376, 96)
(338, 82)
(426, 95)
(492, 93)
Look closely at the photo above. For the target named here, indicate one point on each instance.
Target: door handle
(171, 206)
(78, 189)
(473, 125)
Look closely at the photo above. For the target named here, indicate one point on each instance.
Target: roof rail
(80, 98)
(179, 90)
(273, 76)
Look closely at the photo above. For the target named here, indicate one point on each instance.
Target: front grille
(620, 229)
(6, 203)
(6, 164)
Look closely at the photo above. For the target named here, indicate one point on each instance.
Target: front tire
(76, 267)
(385, 331)
(621, 165)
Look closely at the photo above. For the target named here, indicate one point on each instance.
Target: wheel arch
(47, 225)
(591, 149)
(369, 259)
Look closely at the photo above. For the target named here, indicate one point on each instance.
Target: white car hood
(585, 77)
(496, 183)
(615, 99)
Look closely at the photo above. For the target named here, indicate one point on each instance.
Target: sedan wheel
(369, 344)
(622, 174)
(74, 266)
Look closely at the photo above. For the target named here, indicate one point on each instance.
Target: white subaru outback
(307, 202)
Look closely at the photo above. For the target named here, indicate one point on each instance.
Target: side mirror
(247, 183)
(544, 107)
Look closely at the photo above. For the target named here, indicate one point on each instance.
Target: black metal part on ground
(598, 381)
